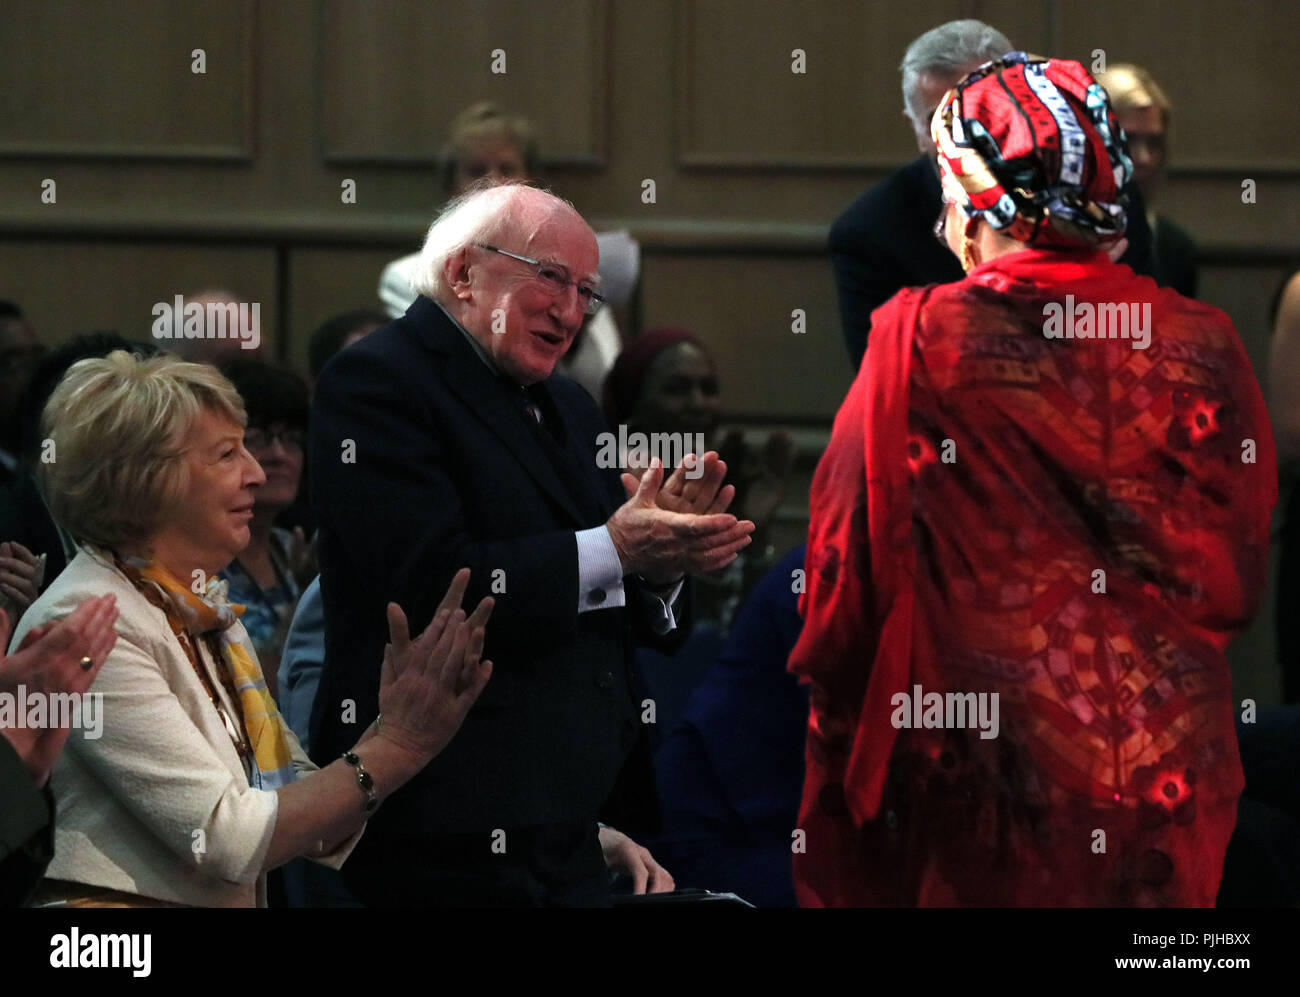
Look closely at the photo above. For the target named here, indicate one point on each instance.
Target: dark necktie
(536, 408)
(532, 409)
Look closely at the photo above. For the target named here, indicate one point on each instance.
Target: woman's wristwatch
(364, 782)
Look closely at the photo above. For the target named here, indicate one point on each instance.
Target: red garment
(979, 474)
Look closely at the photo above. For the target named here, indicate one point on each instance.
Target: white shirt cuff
(600, 573)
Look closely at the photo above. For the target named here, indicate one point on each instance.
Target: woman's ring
(87, 664)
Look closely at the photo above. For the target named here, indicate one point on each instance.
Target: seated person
(665, 382)
(196, 788)
(52, 660)
(729, 775)
(264, 578)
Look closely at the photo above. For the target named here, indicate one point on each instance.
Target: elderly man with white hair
(446, 439)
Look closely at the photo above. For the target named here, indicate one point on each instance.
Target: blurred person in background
(269, 574)
(1284, 405)
(231, 328)
(20, 352)
(881, 243)
(729, 775)
(665, 381)
(338, 333)
(1144, 112)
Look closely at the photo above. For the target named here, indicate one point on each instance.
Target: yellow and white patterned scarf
(211, 616)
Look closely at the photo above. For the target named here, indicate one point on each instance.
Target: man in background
(884, 241)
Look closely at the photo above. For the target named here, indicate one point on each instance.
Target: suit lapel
(483, 394)
(563, 439)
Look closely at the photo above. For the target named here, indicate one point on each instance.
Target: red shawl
(1075, 525)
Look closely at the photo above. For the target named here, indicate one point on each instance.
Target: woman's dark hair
(49, 372)
(271, 394)
(330, 337)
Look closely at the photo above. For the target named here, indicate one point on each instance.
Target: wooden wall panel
(325, 281)
(740, 104)
(1246, 293)
(740, 306)
(68, 287)
(1253, 655)
(394, 73)
(113, 81)
(1231, 113)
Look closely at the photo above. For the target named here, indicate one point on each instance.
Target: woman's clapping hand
(428, 685)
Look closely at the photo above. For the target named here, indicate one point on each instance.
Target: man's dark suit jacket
(449, 471)
(1173, 258)
(885, 241)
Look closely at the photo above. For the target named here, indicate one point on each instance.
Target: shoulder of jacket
(88, 576)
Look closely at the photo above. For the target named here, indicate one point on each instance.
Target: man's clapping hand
(690, 490)
(666, 529)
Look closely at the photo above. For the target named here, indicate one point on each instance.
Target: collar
(475, 345)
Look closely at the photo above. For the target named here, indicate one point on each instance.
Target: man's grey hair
(481, 215)
(949, 50)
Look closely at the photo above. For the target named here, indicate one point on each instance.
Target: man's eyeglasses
(555, 279)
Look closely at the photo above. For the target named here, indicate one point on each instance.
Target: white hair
(481, 215)
(951, 49)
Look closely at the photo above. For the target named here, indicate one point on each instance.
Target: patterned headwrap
(1031, 146)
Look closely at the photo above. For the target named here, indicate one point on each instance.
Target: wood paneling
(741, 306)
(115, 81)
(326, 281)
(740, 103)
(69, 287)
(1232, 113)
(394, 72)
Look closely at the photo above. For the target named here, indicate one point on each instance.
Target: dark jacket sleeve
(1175, 258)
(26, 829)
(1138, 256)
(865, 278)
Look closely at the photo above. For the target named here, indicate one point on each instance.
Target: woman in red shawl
(1070, 527)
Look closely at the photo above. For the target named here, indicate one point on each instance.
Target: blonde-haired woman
(196, 787)
(1144, 112)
